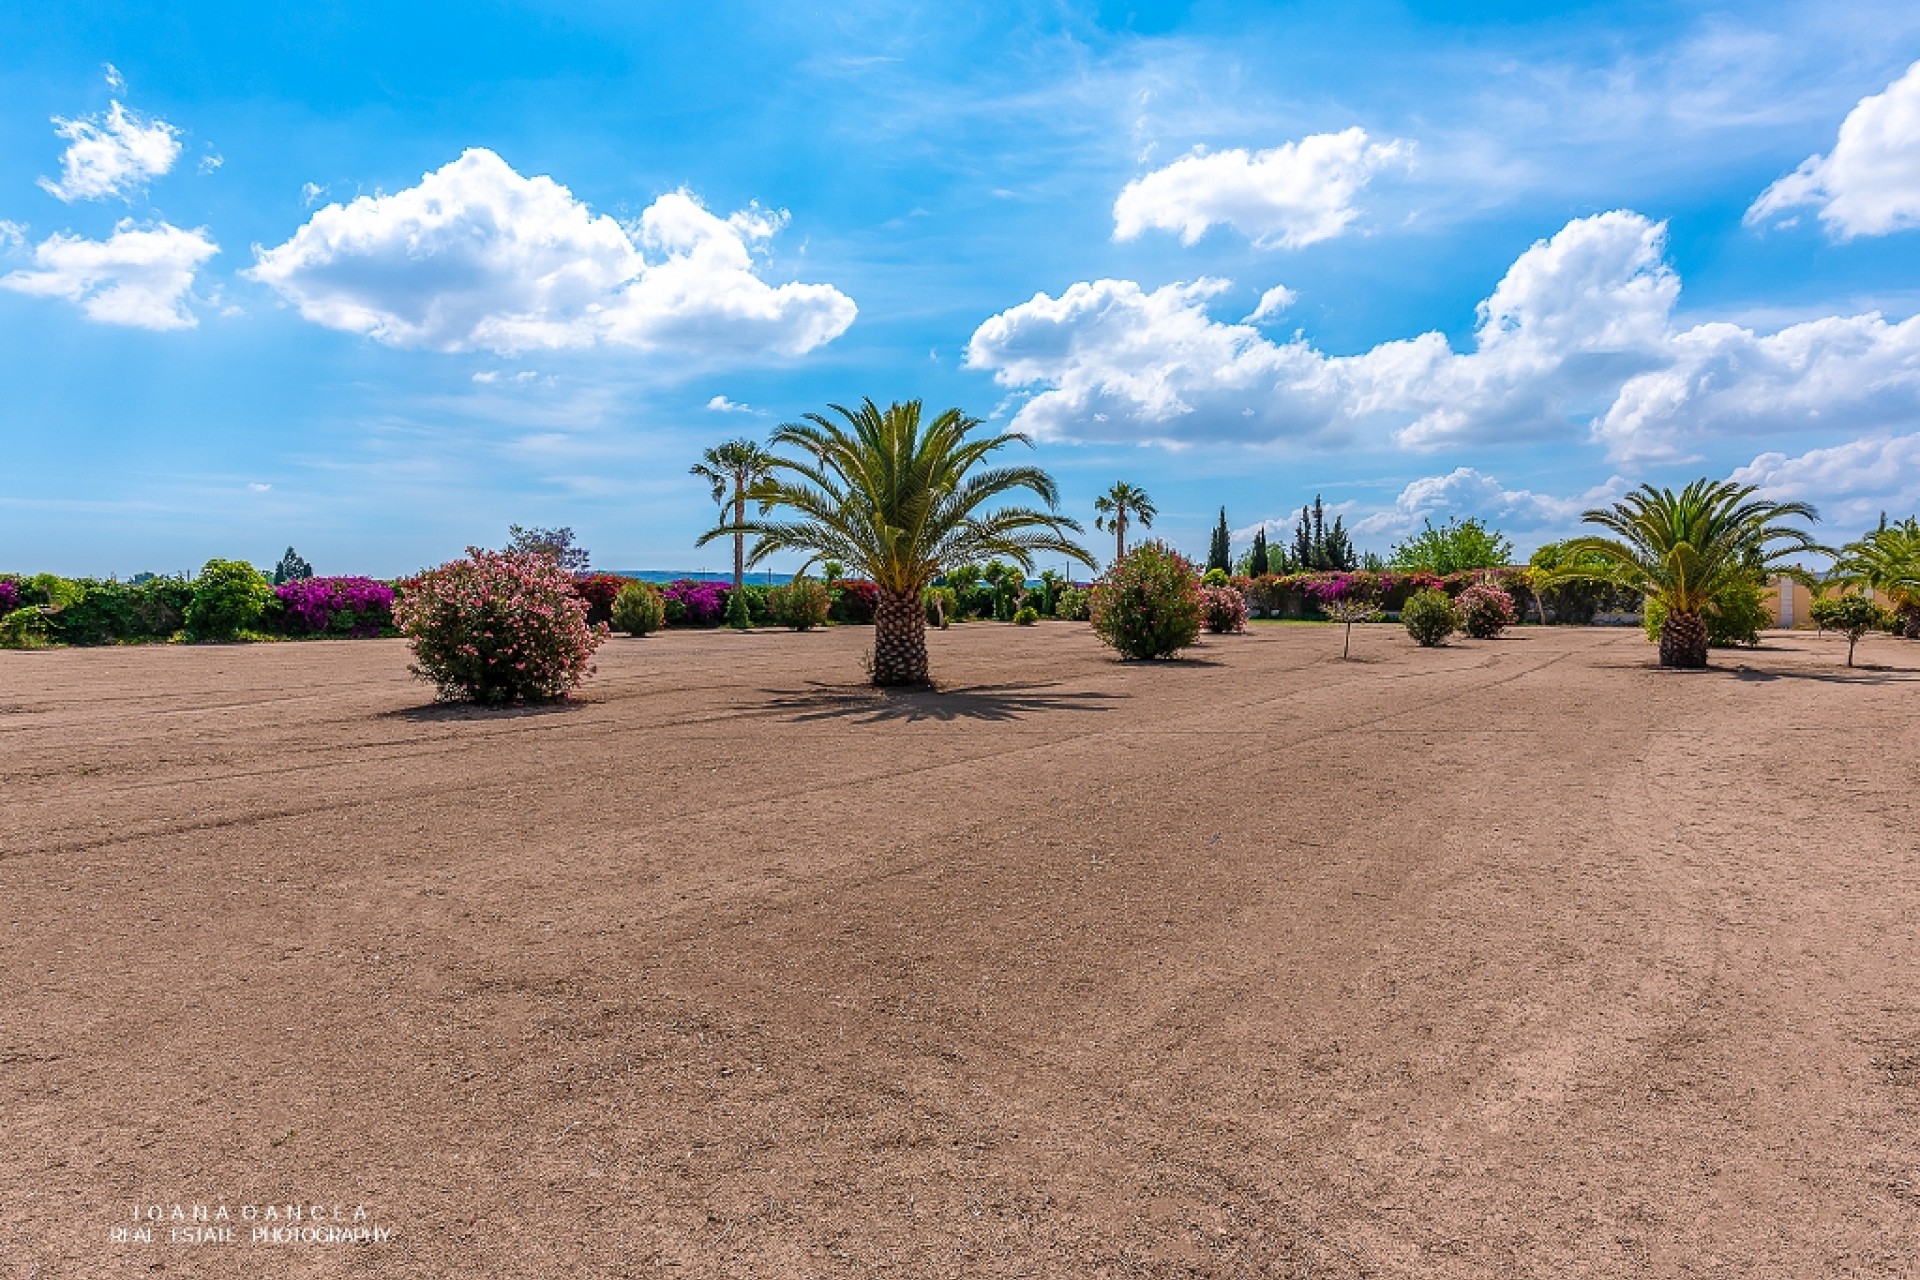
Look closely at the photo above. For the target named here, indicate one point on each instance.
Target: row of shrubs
(1307, 595)
(232, 600)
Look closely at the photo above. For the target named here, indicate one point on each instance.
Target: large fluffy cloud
(1854, 481)
(138, 276)
(477, 256)
(1467, 492)
(112, 155)
(1577, 339)
(1292, 195)
(1869, 184)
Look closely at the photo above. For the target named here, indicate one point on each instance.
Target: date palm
(1116, 507)
(1682, 549)
(731, 469)
(1888, 561)
(899, 498)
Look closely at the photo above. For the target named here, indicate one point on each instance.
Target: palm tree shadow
(1858, 674)
(862, 704)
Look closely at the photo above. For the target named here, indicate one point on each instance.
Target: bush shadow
(440, 712)
(863, 704)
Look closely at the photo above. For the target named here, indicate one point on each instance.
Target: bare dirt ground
(1515, 958)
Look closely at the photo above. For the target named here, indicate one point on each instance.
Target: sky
(378, 281)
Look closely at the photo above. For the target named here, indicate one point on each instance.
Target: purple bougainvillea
(336, 606)
(695, 604)
(9, 595)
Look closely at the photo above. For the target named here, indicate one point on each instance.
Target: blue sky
(377, 281)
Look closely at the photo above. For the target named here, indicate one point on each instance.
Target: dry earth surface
(1516, 958)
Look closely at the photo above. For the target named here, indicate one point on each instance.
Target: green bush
(1026, 617)
(1429, 617)
(23, 628)
(801, 605)
(1215, 577)
(229, 596)
(1074, 604)
(739, 612)
(638, 609)
(1149, 604)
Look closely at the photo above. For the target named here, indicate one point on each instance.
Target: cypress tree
(1257, 565)
(1221, 555)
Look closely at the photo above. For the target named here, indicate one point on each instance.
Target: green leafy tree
(1051, 581)
(1888, 561)
(730, 470)
(1008, 584)
(229, 596)
(899, 498)
(1454, 547)
(1680, 550)
(1852, 616)
(1559, 595)
(1119, 506)
(1220, 554)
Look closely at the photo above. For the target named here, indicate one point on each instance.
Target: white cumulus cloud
(1293, 195)
(115, 154)
(138, 276)
(1465, 492)
(478, 257)
(1852, 482)
(720, 404)
(1869, 184)
(1274, 302)
(1576, 340)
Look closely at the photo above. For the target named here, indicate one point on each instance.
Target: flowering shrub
(599, 590)
(1429, 617)
(229, 596)
(1149, 603)
(854, 601)
(638, 609)
(802, 604)
(498, 627)
(694, 604)
(335, 606)
(1075, 604)
(1225, 610)
(9, 595)
(1485, 611)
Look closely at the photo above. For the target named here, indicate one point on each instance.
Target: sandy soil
(1516, 958)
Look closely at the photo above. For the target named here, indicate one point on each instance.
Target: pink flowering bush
(335, 606)
(691, 603)
(498, 627)
(1224, 610)
(1485, 611)
(1149, 603)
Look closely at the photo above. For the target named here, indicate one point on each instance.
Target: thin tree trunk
(1120, 536)
(739, 539)
(1683, 640)
(899, 639)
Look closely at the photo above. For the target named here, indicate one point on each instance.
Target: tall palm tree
(1888, 561)
(1682, 549)
(1116, 506)
(735, 466)
(898, 498)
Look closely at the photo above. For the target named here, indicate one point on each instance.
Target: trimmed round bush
(229, 596)
(801, 605)
(1225, 610)
(638, 609)
(1026, 617)
(739, 612)
(1485, 611)
(1149, 603)
(498, 627)
(1429, 617)
(1215, 577)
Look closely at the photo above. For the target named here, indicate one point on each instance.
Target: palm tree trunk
(1683, 640)
(899, 639)
(739, 539)
(1120, 536)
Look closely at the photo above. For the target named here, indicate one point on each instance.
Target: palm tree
(1681, 550)
(1115, 506)
(1888, 561)
(898, 499)
(737, 465)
